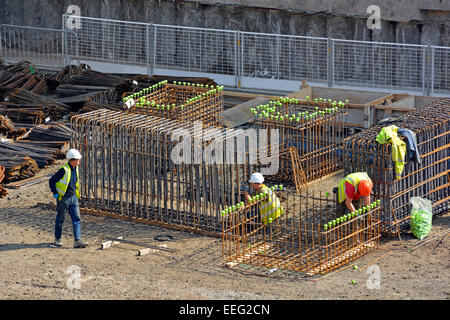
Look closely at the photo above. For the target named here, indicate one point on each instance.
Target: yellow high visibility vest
(270, 208)
(63, 184)
(353, 179)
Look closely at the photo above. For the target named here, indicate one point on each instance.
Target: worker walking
(269, 209)
(352, 187)
(65, 188)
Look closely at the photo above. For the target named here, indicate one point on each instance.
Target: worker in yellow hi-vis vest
(66, 190)
(352, 187)
(269, 209)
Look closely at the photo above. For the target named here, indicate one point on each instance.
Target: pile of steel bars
(179, 101)
(308, 237)
(429, 179)
(164, 171)
(22, 75)
(27, 107)
(314, 129)
(18, 167)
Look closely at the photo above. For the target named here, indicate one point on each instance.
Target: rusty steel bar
(315, 129)
(429, 179)
(308, 237)
(179, 101)
(158, 169)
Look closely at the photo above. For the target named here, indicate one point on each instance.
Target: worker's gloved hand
(56, 196)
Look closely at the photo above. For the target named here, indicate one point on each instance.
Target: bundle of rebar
(3, 191)
(68, 71)
(308, 236)
(24, 106)
(429, 178)
(18, 167)
(22, 75)
(8, 129)
(107, 99)
(158, 170)
(179, 101)
(43, 156)
(314, 129)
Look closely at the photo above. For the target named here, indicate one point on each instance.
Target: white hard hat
(256, 178)
(73, 154)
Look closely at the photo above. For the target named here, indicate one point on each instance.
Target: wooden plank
(143, 252)
(110, 243)
(240, 114)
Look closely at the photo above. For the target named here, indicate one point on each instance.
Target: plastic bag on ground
(421, 217)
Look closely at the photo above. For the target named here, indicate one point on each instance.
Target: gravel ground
(33, 269)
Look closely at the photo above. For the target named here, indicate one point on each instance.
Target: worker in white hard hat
(66, 190)
(269, 209)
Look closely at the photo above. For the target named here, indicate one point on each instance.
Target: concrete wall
(403, 21)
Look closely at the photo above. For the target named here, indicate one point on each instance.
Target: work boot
(80, 244)
(57, 243)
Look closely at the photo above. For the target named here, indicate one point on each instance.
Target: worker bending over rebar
(352, 187)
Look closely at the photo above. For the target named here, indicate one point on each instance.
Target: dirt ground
(31, 268)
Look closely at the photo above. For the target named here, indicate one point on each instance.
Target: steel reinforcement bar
(308, 237)
(429, 178)
(159, 170)
(179, 101)
(315, 129)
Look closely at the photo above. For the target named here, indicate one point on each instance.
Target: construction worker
(269, 209)
(65, 187)
(352, 187)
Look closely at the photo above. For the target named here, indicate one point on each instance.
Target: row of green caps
(144, 91)
(142, 102)
(204, 94)
(198, 85)
(330, 101)
(351, 215)
(294, 117)
(259, 196)
(316, 100)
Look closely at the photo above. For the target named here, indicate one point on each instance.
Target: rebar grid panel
(430, 179)
(308, 237)
(179, 101)
(314, 129)
(159, 170)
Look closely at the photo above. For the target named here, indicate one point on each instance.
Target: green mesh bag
(421, 217)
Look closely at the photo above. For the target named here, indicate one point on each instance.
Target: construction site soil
(401, 268)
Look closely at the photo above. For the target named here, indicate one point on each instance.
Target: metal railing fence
(242, 59)
(43, 46)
